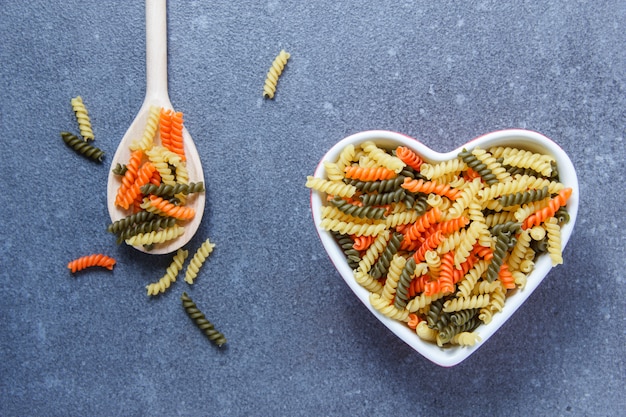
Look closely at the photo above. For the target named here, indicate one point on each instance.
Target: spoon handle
(156, 51)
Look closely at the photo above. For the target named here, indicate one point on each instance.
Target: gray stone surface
(299, 342)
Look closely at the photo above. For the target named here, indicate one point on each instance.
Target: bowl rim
(521, 138)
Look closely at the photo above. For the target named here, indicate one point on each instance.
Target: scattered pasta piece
(274, 72)
(82, 147)
(198, 260)
(440, 245)
(82, 116)
(170, 274)
(88, 261)
(201, 321)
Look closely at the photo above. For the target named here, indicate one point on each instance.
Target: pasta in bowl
(443, 248)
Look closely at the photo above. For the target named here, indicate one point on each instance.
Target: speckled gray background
(299, 343)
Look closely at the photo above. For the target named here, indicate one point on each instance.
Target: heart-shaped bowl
(518, 138)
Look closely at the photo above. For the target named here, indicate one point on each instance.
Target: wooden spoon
(157, 95)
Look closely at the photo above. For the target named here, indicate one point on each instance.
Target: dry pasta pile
(154, 183)
(440, 246)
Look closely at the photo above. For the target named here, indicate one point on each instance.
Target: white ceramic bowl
(525, 139)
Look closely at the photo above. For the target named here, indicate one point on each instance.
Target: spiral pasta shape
(82, 116)
(152, 124)
(435, 171)
(393, 276)
(402, 289)
(381, 266)
(525, 197)
(202, 322)
(431, 242)
(381, 304)
(383, 199)
(494, 166)
(478, 166)
(337, 188)
(519, 250)
(463, 303)
(373, 252)
(518, 184)
(161, 164)
(470, 279)
(349, 228)
(539, 216)
(81, 147)
(165, 190)
(499, 252)
(346, 157)
(129, 221)
(409, 157)
(368, 282)
(277, 68)
(554, 240)
(421, 186)
(119, 169)
(466, 196)
(333, 172)
(465, 339)
(154, 237)
(423, 301)
(165, 127)
(382, 157)
(171, 272)
(332, 212)
(380, 185)
(364, 173)
(155, 224)
(521, 158)
(426, 333)
(421, 225)
(402, 218)
(198, 259)
(362, 242)
(177, 144)
(125, 197)
(165, 208)
(358, 210)
(132, 168)
(87, 261)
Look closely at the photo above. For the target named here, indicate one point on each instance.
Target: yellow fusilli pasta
(82, 116)
(198, 260)
(156, 237)
(170, 274)
(271, 79)
(152, 123)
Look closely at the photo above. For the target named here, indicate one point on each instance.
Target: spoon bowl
(157, 95)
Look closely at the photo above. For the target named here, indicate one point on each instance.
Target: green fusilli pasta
(201, 321)
(82, 147)
(165, 190)
(525, 197)
(358, 211)
(478, 166)
(381, 266)
(129, 221)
